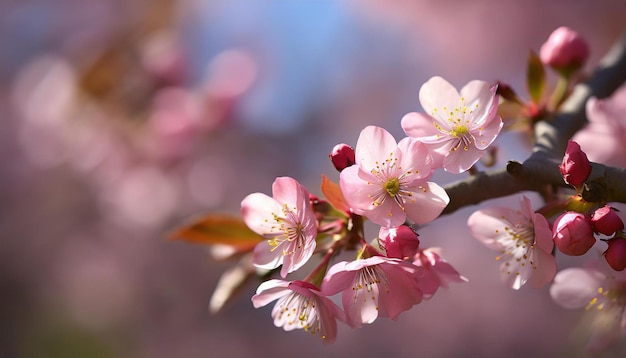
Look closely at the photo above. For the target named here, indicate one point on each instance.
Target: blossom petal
(288, 191)
(426, 203)
(375, 145)
(357, 190)
(576, 287)
(545, 271)
(436, 94)
(485, 135)
(418, 125)
(479, 98)
(255, 210)
(487, 225)
(462, 159)
(415, 158)
(266, 258)
(269, 291)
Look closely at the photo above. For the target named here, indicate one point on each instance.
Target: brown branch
(551, 135)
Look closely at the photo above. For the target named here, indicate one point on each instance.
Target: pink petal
(298, 258)
(418, 125)
(256, 208)
(269, 291)
(288, 191)
(267, 259)
(487, 225)
(415, 157)
(545, 271)
(461, 160)
(375, 145)
(337, 279)
(438, 93)
(361, 306)
(479, 93)
(354, 183)
(402, 292)
(427, 203)
(575, 287)
(484, 136)
(543, 233)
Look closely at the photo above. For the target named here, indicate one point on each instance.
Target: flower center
(392, 186)
(459, 131)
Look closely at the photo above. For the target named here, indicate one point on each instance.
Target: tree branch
(551, 135)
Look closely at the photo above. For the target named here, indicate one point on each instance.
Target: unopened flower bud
(573, 233)
(606, 221)
(400, 242)
(575, 166)
(342, 156)
(615, 255)
(565, 50)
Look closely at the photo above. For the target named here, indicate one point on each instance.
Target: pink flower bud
(400, 242)
(565, 50)
(342, 156)
(575, 166)
(615, 255)
(573, 233)
(606, 221)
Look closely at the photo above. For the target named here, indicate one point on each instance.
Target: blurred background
(121, 120)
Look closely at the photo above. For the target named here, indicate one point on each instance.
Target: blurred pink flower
(593, 289)
(389, 181)
(300, 305)
(373, 287)
(575, 166)
(604, 138)
(524, 239)
(564, 50)
(457, 128)
(573, 233)
(437, 271)
(286, 220)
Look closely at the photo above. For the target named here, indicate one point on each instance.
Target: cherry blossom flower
(595, 290)
(523, 238)
(388, 183)
(300, 305)
(457, 127)
(604, 138)
(437, 271)
(286, 220)
(374, 287)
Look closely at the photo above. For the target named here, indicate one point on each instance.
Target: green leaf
(218, 229)
(535, 77)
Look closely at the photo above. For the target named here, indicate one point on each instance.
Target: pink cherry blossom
(437, 271)
(286, 220)
(604, 138)
(457, 127)
(523, 238)
(300, 305)
(374, 287)
(596, 291)
(389, 181)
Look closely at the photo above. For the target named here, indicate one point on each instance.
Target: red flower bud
(342, 156)
(575, 166)
(565, 50)
(573, 233)
(606, 221)
(400, 242)
(615, 255)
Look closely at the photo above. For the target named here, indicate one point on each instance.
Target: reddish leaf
(333, 194)
(218, 229)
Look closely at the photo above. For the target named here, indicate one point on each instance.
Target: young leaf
(218, 229)
(333, 194)
(535, 77)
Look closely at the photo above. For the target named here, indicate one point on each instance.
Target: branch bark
(551, 135)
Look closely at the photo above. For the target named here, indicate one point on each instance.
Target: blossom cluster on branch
(388, 182)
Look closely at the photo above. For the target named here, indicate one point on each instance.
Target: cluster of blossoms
(386, 182)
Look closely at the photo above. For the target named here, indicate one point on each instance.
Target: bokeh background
(121, 120)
